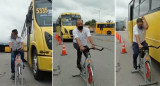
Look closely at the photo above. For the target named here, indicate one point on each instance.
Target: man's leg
(85, 52)
(79, 55)
(22, 55)
(13, 55)
(135, 54)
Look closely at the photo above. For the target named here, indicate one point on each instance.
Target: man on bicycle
(16, 44)
(80, 34)
(139, 32)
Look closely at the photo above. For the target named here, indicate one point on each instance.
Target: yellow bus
(150, 9)
(37, 34)
(66, 23)
(105, 28)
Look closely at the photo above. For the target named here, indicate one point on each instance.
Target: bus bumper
(67, 37)
(45, 63)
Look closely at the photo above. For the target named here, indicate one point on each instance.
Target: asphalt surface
(124, 77)
(5, 74)
(65, 66)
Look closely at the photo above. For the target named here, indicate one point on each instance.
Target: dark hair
(139, 20)
(15, 31)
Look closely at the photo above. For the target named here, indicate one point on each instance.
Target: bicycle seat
(86, 50)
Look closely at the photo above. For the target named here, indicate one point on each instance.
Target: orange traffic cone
(59, 40)
(63, 50)
(117, 36)
(123, 48)
(56, 37)
(119, 39)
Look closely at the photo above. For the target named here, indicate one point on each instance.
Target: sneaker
(12, 76)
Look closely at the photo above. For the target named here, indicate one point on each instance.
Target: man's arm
(91, 41)
(10, 45)
(22, 45)
(138, 41)
(145, 24)
(90, 38)
(79, 44)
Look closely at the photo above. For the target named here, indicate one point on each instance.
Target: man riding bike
(139, 32)
(16, 44)
(80, 34)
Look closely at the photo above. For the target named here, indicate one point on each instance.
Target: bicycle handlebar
(96, 49)
(152, 47)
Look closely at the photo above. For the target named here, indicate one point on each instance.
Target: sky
(88, 9)
(122, 8)
(12, 16)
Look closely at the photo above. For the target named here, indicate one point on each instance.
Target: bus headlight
(48, 38)
(66, 32)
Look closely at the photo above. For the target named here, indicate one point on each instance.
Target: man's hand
(140, 46)
(143, 18)
(93, 46)
(22, 49)
(82, 48)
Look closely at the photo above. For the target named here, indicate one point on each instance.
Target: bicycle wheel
(148, 71)
(90, 78)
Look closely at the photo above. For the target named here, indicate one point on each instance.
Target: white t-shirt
(141, 33)
(81, 35)
(16, 44)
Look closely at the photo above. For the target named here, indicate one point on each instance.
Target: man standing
(80, 34)
(139, 32)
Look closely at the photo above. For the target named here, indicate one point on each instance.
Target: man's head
(79, 24)
(14, 34)
(140, 23)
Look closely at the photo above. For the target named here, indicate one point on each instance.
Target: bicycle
(144, 66)
(18, 69)
(87, 72)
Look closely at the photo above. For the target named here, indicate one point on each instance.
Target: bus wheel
(36, 71)
(108, 32)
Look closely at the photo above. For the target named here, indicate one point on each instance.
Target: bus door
(29, 24)
(130, 21)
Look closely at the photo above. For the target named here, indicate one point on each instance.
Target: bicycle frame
(144, 64)
(18, 71)
(87, 72)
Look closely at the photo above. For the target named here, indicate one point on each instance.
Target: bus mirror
(60, 23)
(28, 18)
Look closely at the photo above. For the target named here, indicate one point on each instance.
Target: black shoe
(24, 66)
(13, 76)
(79, 67)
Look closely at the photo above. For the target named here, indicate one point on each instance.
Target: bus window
(136, 12)
(69, 20)
(43, 13)
(144, 7)
(130, 11)
(136, 3)
(155, 4)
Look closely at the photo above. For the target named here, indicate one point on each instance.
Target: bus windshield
(105, 25)
(69, 20)
(43, 11)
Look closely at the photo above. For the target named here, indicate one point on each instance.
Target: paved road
(5, 74)
(65, 66)
(124, 77)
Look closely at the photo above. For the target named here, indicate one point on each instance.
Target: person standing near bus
(139, 32)
(80, 34)
(15, 43)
